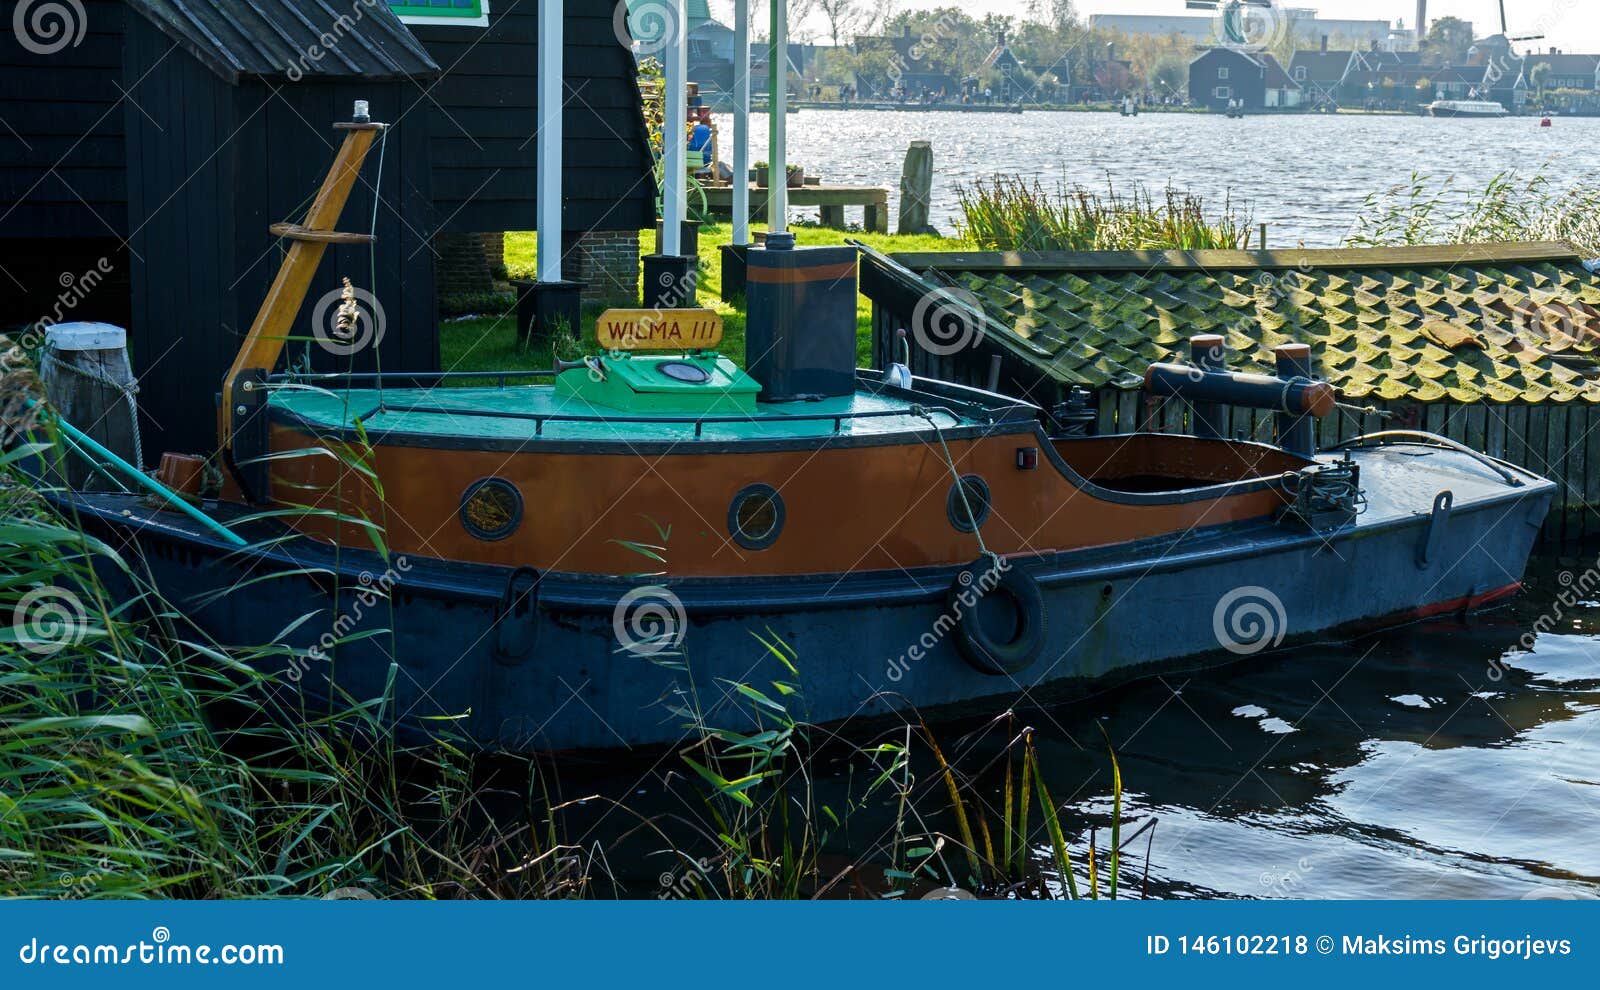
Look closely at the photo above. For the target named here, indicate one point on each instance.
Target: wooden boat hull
(578, 670)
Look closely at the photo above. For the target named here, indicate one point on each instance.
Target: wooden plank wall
(484, 116)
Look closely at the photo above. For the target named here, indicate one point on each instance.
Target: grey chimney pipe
(1422, 21)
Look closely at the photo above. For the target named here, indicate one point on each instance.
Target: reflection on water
(1306, 176)
(1442, 760)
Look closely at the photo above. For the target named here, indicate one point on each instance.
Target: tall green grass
(1009, 213)
(1514, 206)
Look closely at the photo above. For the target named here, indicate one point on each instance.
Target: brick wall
(463, 264)
(607, 263)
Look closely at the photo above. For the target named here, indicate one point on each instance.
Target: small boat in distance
(1467, 108)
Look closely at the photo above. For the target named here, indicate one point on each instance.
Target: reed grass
(1009, 213)
(1513, 206)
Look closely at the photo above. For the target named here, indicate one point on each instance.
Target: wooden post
(89, 381)
(916, 189)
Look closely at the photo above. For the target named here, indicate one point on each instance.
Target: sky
(1572, 25)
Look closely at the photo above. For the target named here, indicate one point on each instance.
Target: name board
(659, 329)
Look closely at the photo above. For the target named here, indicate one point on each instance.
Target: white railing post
(741, 122)
(674, 137)
(551, 96)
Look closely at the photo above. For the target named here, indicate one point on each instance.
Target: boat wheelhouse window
(756, 517)
(968, 504)
(491, 509)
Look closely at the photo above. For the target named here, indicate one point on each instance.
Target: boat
(558, 564)
(1467, 108)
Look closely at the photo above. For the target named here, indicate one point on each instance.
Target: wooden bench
(874, 203)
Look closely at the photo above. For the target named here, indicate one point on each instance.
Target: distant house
(1320, 73)
(914, 66)
(1254, 80)
(1566, 81)
(1382, 79)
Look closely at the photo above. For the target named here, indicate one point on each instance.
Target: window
(1299, 73)
(491, 509)
(1224, 92)
(968, 504)
(1222, 73)
(756, 517)
(460, 13)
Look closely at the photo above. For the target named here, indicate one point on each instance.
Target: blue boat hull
(576, 662)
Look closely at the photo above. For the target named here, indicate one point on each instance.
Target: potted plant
(796, 175)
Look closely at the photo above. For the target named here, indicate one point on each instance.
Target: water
(1306, 176)
(1442, 760)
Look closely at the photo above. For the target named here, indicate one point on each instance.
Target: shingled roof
(298, 38)
(1462, 323)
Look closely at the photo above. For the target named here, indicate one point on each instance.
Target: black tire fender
(978, 646)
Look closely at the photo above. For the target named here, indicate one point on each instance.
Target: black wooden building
(148, 150)
(226, 113)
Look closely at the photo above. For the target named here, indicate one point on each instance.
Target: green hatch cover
(667, 384)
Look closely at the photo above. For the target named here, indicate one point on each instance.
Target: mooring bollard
(1296, 432)
(1207, 352)
(88, 380)
(916, 189)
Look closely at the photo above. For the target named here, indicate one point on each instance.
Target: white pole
(548, 145)
(741, 122)
(777, 125)
(673, 193)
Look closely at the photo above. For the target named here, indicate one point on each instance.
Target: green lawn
(490, 344)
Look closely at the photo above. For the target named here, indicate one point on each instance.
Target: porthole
(491, 509)
(683, 371)
(968, 514)
(756, 517)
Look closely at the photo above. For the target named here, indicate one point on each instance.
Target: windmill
(1232, 30)
(1506, 34)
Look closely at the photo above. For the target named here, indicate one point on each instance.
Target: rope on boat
(966, 503)
(1324, 490)
(49, 364)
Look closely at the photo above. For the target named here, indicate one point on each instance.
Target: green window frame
(459, 13)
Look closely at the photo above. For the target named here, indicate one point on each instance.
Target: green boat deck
(528, 412)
